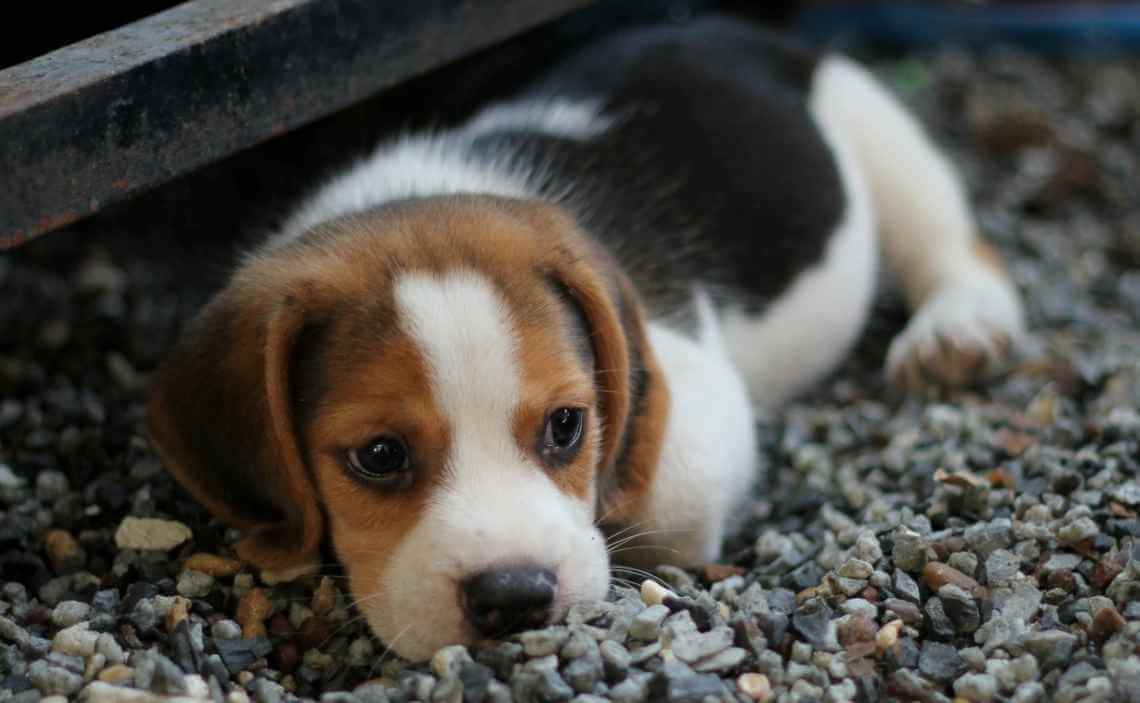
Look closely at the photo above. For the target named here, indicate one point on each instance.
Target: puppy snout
(501, 601)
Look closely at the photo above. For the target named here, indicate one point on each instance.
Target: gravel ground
(979, 546)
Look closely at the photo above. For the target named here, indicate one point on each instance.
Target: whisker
(646, 546)
(635, 572)
(634, 526)
(629, 538)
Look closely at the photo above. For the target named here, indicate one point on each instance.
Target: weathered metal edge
(93, 123)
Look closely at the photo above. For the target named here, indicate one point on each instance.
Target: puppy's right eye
(384, 461)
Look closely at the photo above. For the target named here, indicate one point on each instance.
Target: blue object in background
(1048, 27)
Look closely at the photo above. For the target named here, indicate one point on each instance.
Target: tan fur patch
(553, 377)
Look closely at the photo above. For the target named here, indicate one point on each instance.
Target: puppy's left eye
(383, 461)
(562, 435)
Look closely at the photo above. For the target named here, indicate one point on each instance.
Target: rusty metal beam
(110, 116)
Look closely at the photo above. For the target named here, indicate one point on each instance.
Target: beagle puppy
(472, 356)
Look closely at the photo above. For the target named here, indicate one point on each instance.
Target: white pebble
(151, 534)
(95, 664)
(226, 630)
(755, 686)
(76, 640)
(70, 612)
(100, 692)
(860, 606)
(194, 584)
(653, 593)
(110, 649)
(196, 687)
(888, 634)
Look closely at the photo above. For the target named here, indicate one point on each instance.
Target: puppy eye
(383, 460)
(562, 434)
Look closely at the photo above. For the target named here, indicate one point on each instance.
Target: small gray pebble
(693, 647)
(639, 656)
(51, 485)
(70, 612)
(727, 659)
(1001, 567)
(1077, 531)
(634, 689)
(449, 661)
(960, 607)
(371, 693)
(266, 691)
(194, 584)
(646, 625)
(225, 630)
(978, 688)
(940, 662)
(965, 562)
(583, 673)
(615, 658)
(541, 643)
(54, 680)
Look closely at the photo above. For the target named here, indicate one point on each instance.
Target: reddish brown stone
(1106, 623)
(279, 626)
(64, 551)
(37, 616)
(1013, 442)
(314, 632)
(907, 611)
(252, 610)
(870, 594)
(1002, 478)
(944, 548)
(212, 564)
(1108, 568)
(936, 575)
(287, 657)
(1087, 549)
(719, 572)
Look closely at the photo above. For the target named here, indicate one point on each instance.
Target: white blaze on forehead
(464, 331)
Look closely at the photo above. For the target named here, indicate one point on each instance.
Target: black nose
(501, 601)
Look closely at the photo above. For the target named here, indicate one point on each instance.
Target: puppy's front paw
(962, 334)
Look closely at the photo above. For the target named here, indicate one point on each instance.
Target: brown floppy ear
(220, 416)
(633, 395)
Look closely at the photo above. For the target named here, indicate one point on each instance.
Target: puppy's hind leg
(966, 313)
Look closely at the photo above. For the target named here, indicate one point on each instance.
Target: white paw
(964, 333)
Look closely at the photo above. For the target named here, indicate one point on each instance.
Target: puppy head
(442, 389)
